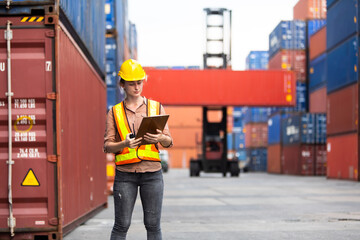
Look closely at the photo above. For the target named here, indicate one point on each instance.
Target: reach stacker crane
(217, 87)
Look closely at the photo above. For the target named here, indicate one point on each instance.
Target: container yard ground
(253, 206)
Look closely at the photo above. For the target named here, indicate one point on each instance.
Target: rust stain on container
(342, 110)
(317, 44)
(343, 157)
(317, 103)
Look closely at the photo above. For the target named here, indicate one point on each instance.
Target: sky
(172, 32)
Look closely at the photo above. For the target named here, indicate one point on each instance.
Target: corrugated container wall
(257, 60)
(310, 9)
(317, 43)
(55, 188)
(345, 72)
(133, 41)
(314, 26)
(343, 17)
(343, 111)
(256, 135)
(288, 35)
(274, 154)
(317, 101)
(257, 158)
(185, 124)
(299, 129)
(317, 73)
(87, 27)
(343, 156)
(293, 60)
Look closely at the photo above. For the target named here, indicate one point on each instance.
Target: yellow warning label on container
(30, 179)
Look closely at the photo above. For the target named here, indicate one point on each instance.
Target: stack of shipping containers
(254, 120)
(121, 44)
(115, 35)
(58, 103)
(297, 138)
(185, 125)
(342, 35)
(317, 88)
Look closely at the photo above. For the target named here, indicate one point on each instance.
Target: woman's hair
(122, 81)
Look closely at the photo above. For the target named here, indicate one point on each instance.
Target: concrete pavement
(253, 206)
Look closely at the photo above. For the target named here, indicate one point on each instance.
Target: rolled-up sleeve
(110, 132)
(166, 130)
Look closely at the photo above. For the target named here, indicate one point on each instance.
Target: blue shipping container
(110, 14)
(257, 159)
(274, 128)
(317, 73)
(238, 118)
(133, 40)
(342, 20)
(290, 35)
(241, 154)
(320, 132)
(301, 99)
(314, 26)
(86, 17)
(342, 65)
(329, 3)
(257, 60)
(298, 129)
(256, 115)
(111, 97)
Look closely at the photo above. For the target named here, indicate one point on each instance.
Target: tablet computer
(150, 124)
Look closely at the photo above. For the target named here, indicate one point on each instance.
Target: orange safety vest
(143, 152)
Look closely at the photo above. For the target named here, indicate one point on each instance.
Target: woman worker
(137, 166)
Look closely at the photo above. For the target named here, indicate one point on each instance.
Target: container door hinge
(52, 158)
(54, 221)
(11, 222)
(50, 34)
(51, 96)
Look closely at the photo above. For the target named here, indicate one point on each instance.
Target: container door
(33, 144)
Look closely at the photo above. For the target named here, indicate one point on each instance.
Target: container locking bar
(8, 37)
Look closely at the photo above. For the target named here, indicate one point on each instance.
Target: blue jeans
(125, 192)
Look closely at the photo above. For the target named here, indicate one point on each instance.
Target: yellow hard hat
(131, 70)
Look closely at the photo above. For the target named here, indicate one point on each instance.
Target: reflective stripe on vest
(144, 152)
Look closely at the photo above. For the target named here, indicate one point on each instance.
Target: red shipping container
(221, 87)
(317, 44)
(256, 135)
(310, 9)
(292, 60)
(59, 175)
(342, 110)
(317, 103)
(298, 159)
(320, 160)
(184, 116)
(180, 157)
(274, 158)
(185, 137)
(343, 157)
